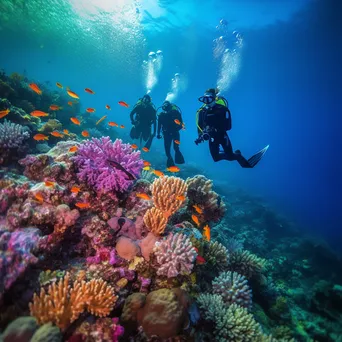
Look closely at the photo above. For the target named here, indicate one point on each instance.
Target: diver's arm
(154, 122)
(131, 115)
(199, 122)
(159, 124)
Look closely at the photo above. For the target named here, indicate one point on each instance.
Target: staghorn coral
(216, 255)
(246, 263)
(175, 255)
(155, 221)
(233, 288)
(166, 192)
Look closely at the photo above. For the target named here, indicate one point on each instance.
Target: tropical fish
(85, 134)
(73, 149)
(39, 197)
(123, 104)
(145, 149)
(197, 208)
(121, 168)
(82, 205)
(55, 107)
(57, 134)
(3, 113)
(147, 163)
(200, 260)
(147, 168)
(180, 198)
(39, 113)
(90, 110)
(72, 94)
(101, 119)
(59, 85)
(70, 103)
(113, 124)
(158, 173)
(75, 121)
(143, 196)
(206, 232)
(177, 142)
(108, 107)
(173, 169)
(35, 88)
(48, 183)
(40, 136)
(195, 219)
(65, 131)
(177, 122)
(75, 189)
(134, 146)
(89, 91)
(122, 126)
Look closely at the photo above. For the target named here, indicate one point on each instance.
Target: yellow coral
(50, 125)
(168, 194)
(155, 221)
(136, 261)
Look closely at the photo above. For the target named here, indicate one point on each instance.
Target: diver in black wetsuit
(213, 122)
(170, 122)
(143, 116)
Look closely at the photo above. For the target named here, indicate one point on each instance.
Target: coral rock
(20, 330)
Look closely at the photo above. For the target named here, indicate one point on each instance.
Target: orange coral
(155, 221)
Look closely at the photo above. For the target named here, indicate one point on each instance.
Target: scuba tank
(228, 121)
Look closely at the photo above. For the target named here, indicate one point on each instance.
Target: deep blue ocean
(283, 82)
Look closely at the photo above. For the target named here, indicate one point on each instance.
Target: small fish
(57, 134)
(145, 149)
(65, 131)
(134, 146)
(123, 104)
(200, 260)
(90, 110)
(59, 85)
(158, 173)
(85, 134)
(89, 91)
(39, 113)
(3, 113)
(197, 208)
(49, 184)
(195, 219)
(72, 94)
(180, 198)
(75, 121)
(55, 107)
(73, 149)
(113, 124)
(177, 142)
(121, 168)
(39, 197)
(108, 107)
(177, 122)
(143, 196)
(40, 136)
(146, 163)
(173, 169)
(82, 205)
(206, 232)
(35, 88)
(70, 103)
(147, 168)
(75, 189)
(101, 119)
(122, 126)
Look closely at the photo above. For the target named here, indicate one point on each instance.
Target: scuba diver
(145, 116)
(213, 121)
(170, 122)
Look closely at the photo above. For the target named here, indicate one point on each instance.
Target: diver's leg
(149, 137)
(179, 159)
(167, 147)
(214, 148)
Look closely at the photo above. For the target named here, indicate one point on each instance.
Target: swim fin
(179, 159)
(252, 161)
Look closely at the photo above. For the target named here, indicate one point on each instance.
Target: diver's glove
(159, 136)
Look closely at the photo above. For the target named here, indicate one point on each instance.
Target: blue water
(287, 92)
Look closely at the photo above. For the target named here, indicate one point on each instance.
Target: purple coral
(102, 164)
(175, 255)
(117, 330)
(103, 254)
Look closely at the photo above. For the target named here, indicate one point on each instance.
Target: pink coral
(127, 248)
(147, 244)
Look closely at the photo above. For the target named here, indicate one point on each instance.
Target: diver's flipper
(179, 159)
(133, 133)
(170, 162)
(252, 161)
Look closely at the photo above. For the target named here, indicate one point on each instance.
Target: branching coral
(216, 255)
(155, 221)
(168, 194)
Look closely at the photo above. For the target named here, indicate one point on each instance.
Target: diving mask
(146, 99)
(207, 99)
(166, 106)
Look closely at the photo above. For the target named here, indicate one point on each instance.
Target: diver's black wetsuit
(214, 121)
(166, 123)
(145, 117)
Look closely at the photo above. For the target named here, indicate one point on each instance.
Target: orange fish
(113, 124)
(108, 107)
(35, 88)
(55, 107)
(70, 103)
(200, 260)
(65, 131)
(85, 134)
(48, 183)
(134, 146)
(39, 113)
(57, 134)
(75, 189)
(143, 196)
(146, 163)
(73, 149)
(177, 122)
(3, 113)
(39, 197)
(198, 209)
(173, 169)
(59, 85)
(195, 219)
(90, 110)
(72, 94)
(40, 136)
(75, 121)
(177, 142)
(87, 90)
(145, 149)
(123, 104)
(122, 126)
(206, 232)
(180, 198)
(158, 173)
(82, 205)
(101, 119)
